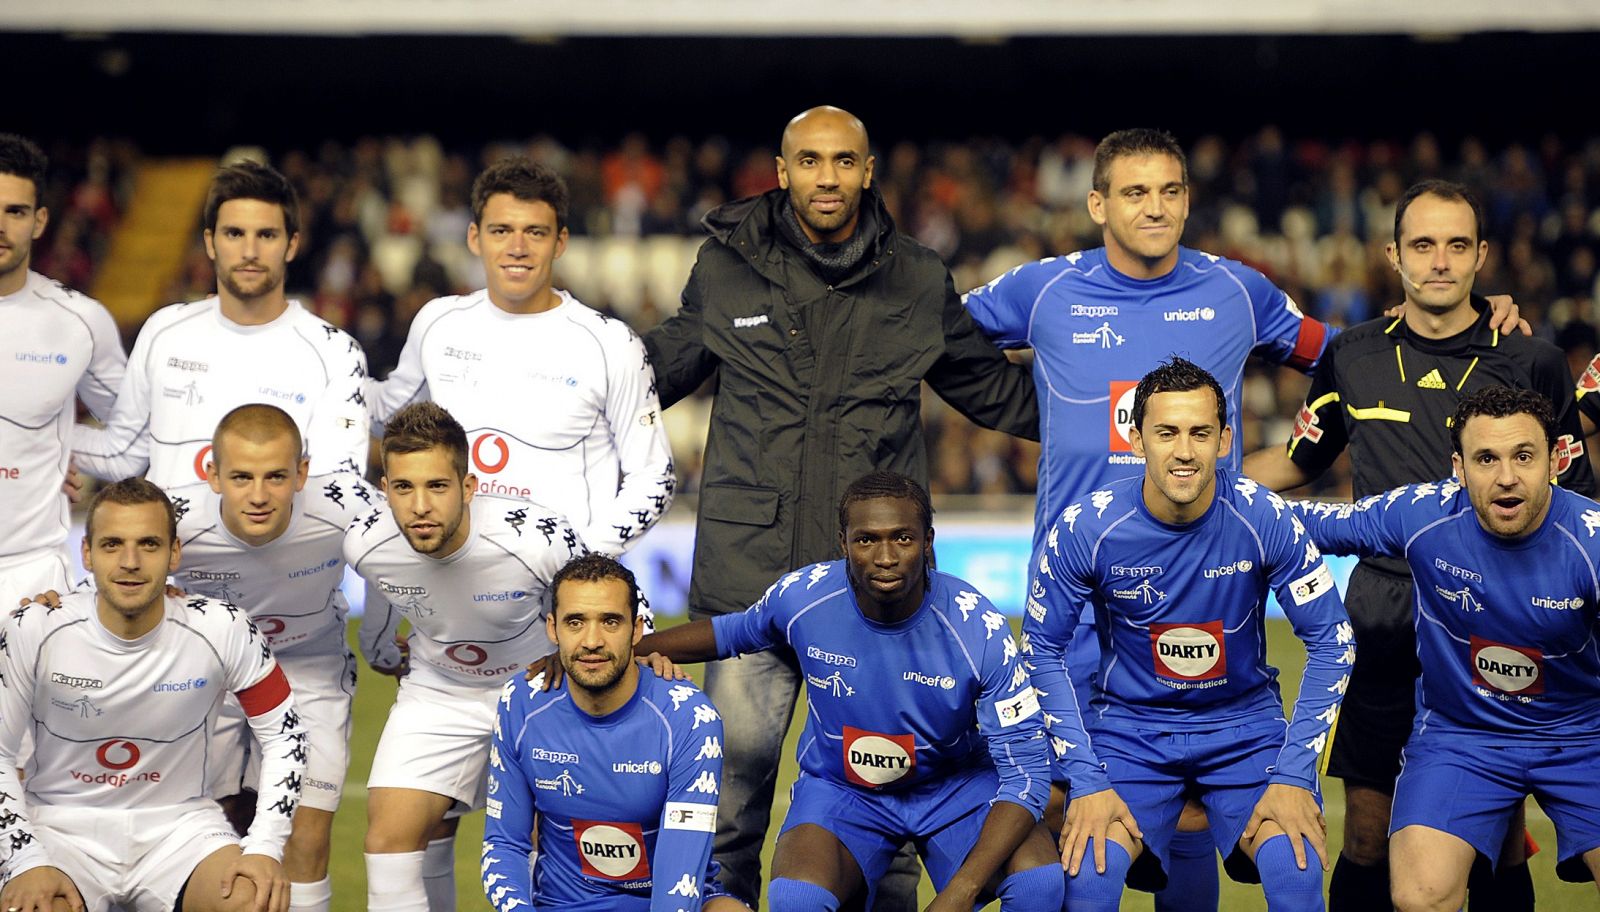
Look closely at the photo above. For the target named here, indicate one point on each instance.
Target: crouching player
(622, 768)
(1176, 564)
(120, 688)
(1508, 616)
(922, 723)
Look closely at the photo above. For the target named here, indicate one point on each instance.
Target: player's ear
(213, 475)
(1136, 442)
(561, 243)
(550, 625)
(1097, 208)
(1483, 254)
(1227, 441)
(471, 483)
(303, 473)
(41, 218)
(638, 628)
(1455, 466)
(294, 247)
(1391, 250)
(176, 555)
(783, 171)
(867, 181)
(472, 238)
(211, 245)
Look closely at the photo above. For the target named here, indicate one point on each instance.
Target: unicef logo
(572, 381)
(655, 767)
(1207, 313)
(300, 398)
(947, 683)
(61, 359)
(1244, 566)
(332, 562)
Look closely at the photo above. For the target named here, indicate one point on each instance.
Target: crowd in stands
(384, 222)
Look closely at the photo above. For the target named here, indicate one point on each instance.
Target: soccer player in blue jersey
(922, 723)
(1508, 619)
(620, 768)
(1176, 565)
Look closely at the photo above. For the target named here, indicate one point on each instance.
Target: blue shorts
(941, 817)
(1155, 772)
(1468, 787)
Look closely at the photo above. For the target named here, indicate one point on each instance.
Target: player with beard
(621, 768)
(470, 572)
(194, 362)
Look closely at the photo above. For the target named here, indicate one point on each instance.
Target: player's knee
(1039, 889)
(1288, 886)
(788, 895)
(242, 898)
(1417, 895)
(1096, 891)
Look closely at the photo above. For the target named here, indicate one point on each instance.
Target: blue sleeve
(1004, 307)
(1375, 526)
(1283, 334)
(1306, 591)
(508, 826)
(760, 627)
(1009, 718)
(1058, 591)
(689, 817)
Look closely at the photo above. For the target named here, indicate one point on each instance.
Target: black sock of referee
(1357, 887)
(1510, 888)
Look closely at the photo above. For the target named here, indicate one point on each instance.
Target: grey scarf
(832, 262)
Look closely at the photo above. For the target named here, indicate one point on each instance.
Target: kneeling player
(622, 768)
(1176, 564)
(1507, 613)
(922, 723)
(120, 688)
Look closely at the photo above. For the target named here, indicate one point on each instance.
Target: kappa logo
(874, 759)
(1189, 652)
(1506, 669)
(830, 658)
(1471, 576)
(611, 850)
(750, 322)
(1093, 311)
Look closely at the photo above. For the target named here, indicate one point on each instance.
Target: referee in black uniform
(1386, 389)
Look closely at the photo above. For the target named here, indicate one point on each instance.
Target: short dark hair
(424, 426)
(1177, 375)
(23, 158)
(1503, 402)
(1445, 190)
(874, 485)
(255, 181)
(256, 422)
(594, 568)
(1137, 141)
(131, 492)
(525, 179)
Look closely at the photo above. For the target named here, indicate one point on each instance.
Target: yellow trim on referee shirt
(1327, 748)
(1400, 362)
(1379, 413)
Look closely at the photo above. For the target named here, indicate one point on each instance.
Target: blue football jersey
(1508, 630)
(892, 705)
(626, 802)
(1180, 615)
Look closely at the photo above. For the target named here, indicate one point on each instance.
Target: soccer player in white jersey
(262, 535)
(119, 688)
(559, 401)
(471, 573)
(56, 343)
(194, 362)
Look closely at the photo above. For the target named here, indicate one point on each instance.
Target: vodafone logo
(271, 626)
(200, 459)
(1122, 414)
(611, 851)
(1189, 652)
(117, 754)
(467, 654)
(1507, 669)
(495, 445)
(873, 759)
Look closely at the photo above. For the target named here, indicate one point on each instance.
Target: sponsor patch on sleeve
(1013, 710)
(690, 815)
(1312, 585)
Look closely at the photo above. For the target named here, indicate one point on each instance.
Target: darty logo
(1507, 669)
(490, 447)
(1122, 415)
(1189, 652)
(873, 759)
(612, 851)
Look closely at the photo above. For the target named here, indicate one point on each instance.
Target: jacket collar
(749, 228)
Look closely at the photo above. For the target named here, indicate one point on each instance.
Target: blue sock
(1041, 889)
(1288, 888)
(1191, 874)
(1094, 892)
(785, 895)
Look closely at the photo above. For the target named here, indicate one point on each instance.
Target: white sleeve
(336, 438)
(121, 449)
(19, 849)
(379, 623)
(406, 383)
(263, 692)
(633, 414)
(108, 364)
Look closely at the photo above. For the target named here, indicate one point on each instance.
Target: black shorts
(1381, 703)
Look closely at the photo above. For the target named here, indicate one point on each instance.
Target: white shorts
(30, 575)
(437, 740)
(323, 686)
(137, 860)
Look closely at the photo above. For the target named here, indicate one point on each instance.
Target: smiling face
(129, 551)
(519, 242)
(887, 549)
(1141, 213)
(825, 167)
(1180, 440)
(1504, 464)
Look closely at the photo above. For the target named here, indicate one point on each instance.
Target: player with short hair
(1175, 565)
(194, 362)
(57, 344)
(622, 768)
(119, 688)
(581, 430)
(264, 536)
(922, 725)
(470, 572)
(1507, 612)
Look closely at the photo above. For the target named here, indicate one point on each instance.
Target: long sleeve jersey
(1180, 615)
(560, 407)
(626, 802)
(57, 344)
(1095, 332)
(1507, 629)
(290, 585)
(127, 723)
(191, 365)
(893, 705)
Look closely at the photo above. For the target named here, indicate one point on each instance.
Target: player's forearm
(506, 882)
(695, 641)
(1003, 830)
(108, 454)
(1330, 656)
(1272, 467)
(19, 849)
(1072, 760)
(1339, 528)
(283, 765)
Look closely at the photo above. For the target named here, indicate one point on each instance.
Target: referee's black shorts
(1380, 703)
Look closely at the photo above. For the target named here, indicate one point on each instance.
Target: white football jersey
(191, 365)
(56, 344)
(290, 585)
(560, 407)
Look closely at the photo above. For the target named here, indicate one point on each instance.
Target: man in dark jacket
(819, 321)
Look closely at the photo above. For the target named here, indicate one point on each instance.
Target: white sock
(439, 874)
(310, 897)
(394, 883)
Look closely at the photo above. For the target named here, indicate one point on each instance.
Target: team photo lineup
(178, 687)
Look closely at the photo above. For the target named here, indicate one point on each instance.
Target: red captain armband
(1308, 344)
(266, 694)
